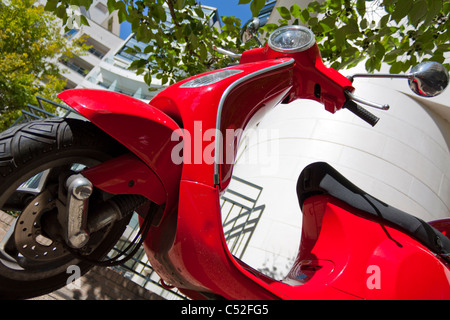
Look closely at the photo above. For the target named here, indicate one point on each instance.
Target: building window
(100, 6)
(71, 33)
(77, 65)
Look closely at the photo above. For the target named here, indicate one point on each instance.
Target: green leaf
(61, 12)
(313, 21)
(199, 13)
(284, 12)
(84, 3)
(305, 17)
(244, 1)
(361, 7)
(51, 5)
(256, 6)
(111, 5)
(193, 40)
(137, 64)
(315, 7)
(401, 9)
(392, 55)
(396, 67)
(351, 27)
(379, 50)
(329, 23)
(203, 51)
(339, 37)
(148, 49)
(140, 71)
(161, 13)
(363, 24)
(418, 12)
(180, 4)
(373, 64)
(434, 7)
(83, 20)
(295, 10)
(148, 78)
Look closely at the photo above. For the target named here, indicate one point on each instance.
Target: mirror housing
(428, 79)
(250, 30)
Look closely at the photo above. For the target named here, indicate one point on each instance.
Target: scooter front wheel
(35, 160)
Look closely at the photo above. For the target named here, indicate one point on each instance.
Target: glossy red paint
(145, 130)
(370, 260)
(313, 80)
(195, 109)
(127, 174)
(342, 254)
(206, 264)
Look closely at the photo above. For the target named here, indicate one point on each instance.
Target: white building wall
(403, 161)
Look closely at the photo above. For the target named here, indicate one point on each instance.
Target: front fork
(124, 176)
(73, 217)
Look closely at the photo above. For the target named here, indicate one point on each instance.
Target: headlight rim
(304, 47)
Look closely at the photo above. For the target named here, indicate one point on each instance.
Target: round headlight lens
(291, 39)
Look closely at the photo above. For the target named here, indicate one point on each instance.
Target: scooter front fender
(140, 127)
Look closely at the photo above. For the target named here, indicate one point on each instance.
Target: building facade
(106, 64)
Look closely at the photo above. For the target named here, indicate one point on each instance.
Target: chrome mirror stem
(381, 75)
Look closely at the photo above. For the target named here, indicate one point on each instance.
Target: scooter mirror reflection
(428, 79)
(250, 29)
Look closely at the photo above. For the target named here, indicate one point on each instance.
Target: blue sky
(225, 8)
(230, 8)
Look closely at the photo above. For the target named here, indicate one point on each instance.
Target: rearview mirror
(428, 79)
(250, 30)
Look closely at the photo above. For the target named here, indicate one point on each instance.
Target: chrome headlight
(291, 39)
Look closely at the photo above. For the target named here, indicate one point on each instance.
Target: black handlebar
(367, 116)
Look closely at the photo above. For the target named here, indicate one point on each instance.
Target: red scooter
(72, 185)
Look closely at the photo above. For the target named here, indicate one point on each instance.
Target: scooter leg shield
(145, 130)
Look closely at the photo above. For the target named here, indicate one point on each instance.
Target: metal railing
(39, 112)
(240, 215)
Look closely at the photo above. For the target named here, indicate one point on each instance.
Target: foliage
(176, 33)
(400, 33)
(397, 32)
(29, 43)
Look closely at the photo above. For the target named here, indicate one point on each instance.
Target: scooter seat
(321, 179)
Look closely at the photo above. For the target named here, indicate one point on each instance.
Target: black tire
(25, 151)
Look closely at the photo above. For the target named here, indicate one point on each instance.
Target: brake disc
(29, 238)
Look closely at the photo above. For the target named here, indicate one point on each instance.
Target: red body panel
(342, 255)
(370, 260)
(309, 73)
(143, 129)
(196, 110)
(127, 175)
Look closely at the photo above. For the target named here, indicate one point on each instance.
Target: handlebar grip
(367, 116)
